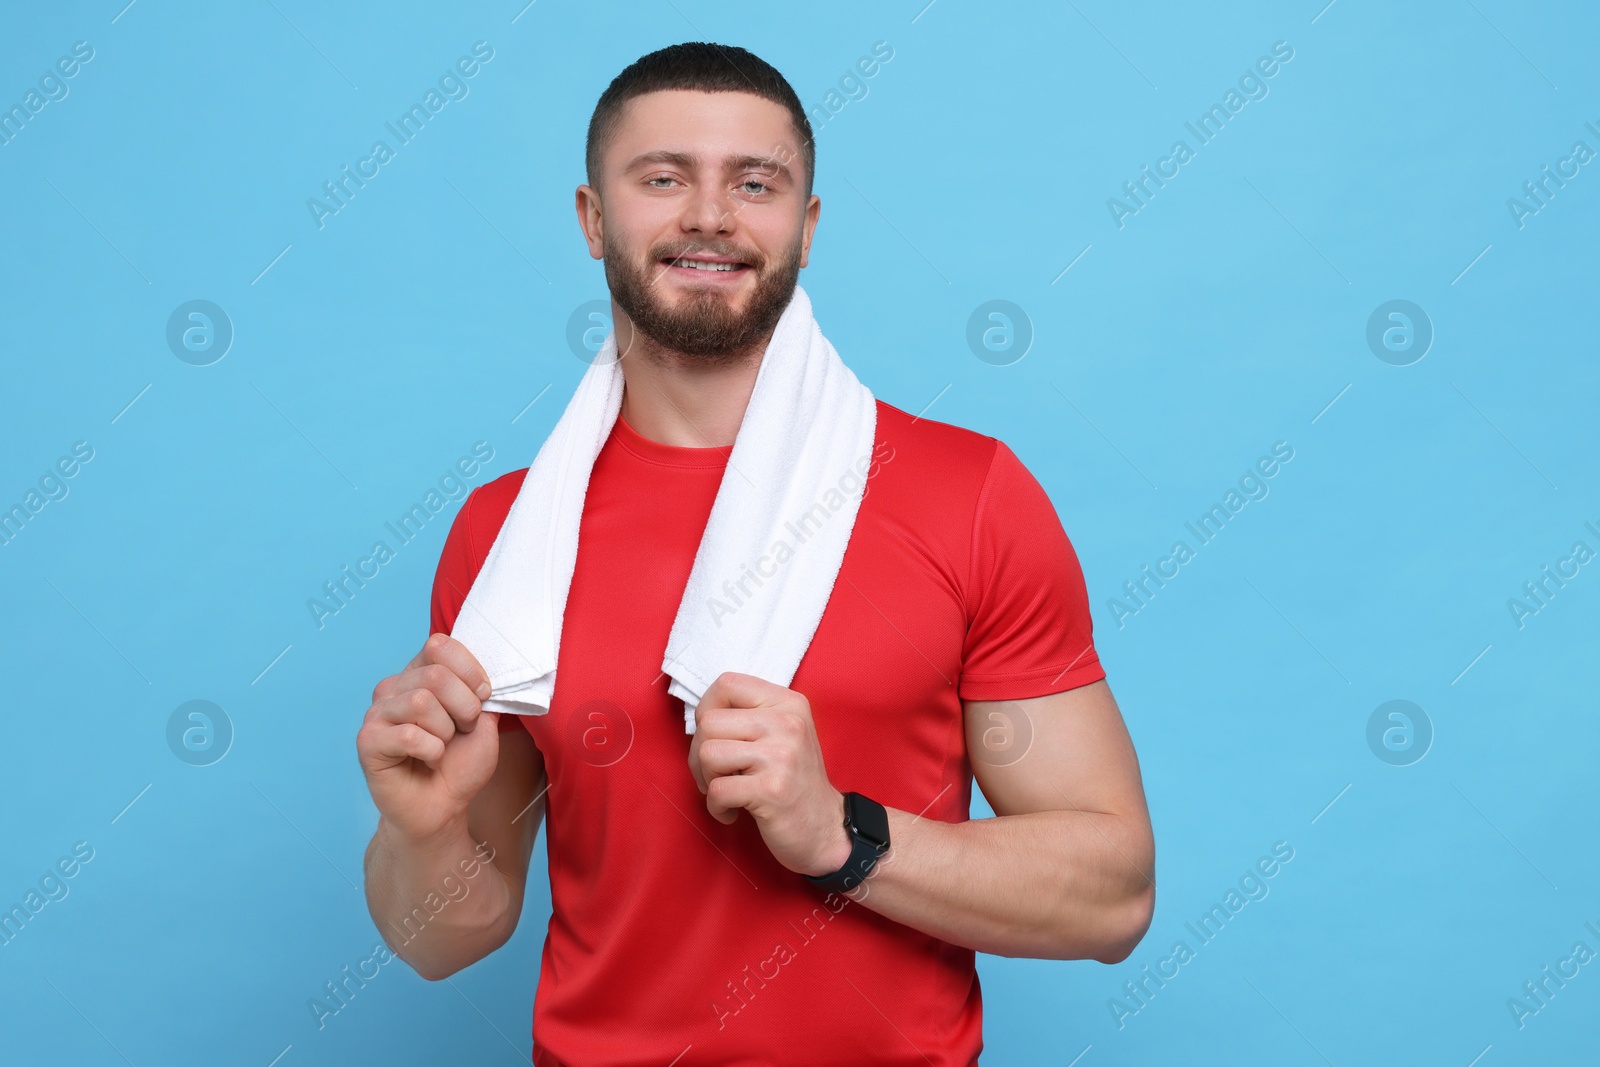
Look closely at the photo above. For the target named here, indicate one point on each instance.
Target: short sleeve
(459, 562)
(1029, 632)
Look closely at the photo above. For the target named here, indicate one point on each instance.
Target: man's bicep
(1068, 750)
(1028, 626)
(507, 811)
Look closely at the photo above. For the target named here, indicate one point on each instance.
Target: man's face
(705, 223)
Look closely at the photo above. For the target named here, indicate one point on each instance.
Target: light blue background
(1225, 316)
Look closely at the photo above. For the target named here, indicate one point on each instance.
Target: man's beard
(704, 325)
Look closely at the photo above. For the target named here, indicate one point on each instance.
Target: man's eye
(762, 186)
(661, 178)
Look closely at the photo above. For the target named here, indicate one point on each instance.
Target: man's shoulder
(952, 453)
(491, 502)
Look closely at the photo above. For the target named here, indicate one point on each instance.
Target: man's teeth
(700, 264)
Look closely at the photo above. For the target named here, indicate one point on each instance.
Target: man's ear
(591, 219)
(809, 226)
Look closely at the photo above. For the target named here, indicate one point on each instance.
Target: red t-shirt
(677, 940)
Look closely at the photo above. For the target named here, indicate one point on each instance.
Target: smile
(700, 264)
(724, 267)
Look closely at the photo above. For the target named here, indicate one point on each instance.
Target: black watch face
(868, 819)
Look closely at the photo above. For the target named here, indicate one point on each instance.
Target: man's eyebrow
(729, 163)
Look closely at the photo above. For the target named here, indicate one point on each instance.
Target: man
(688, 926)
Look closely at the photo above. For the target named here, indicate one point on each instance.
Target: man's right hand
(426, 745)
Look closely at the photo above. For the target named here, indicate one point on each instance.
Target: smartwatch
(867, 823)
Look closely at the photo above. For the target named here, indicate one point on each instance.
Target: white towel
(766, 562)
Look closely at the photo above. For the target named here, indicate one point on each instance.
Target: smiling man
(799, 881)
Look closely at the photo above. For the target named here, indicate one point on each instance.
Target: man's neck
(679, 400)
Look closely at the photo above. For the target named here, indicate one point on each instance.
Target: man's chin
(695, 287)
(690, 299)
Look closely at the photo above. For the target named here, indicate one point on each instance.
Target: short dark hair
(700, 65)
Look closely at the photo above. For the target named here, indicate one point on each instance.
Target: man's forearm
(1049, 884)
(440, 904)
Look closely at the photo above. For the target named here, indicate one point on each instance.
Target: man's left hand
(755, 747)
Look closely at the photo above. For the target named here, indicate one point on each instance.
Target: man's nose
(709, 210)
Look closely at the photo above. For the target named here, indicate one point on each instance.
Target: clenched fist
(755, 747)
(426, 745)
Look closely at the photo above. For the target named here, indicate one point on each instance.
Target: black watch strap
(868, 825)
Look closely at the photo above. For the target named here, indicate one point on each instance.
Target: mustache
(748, 256)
